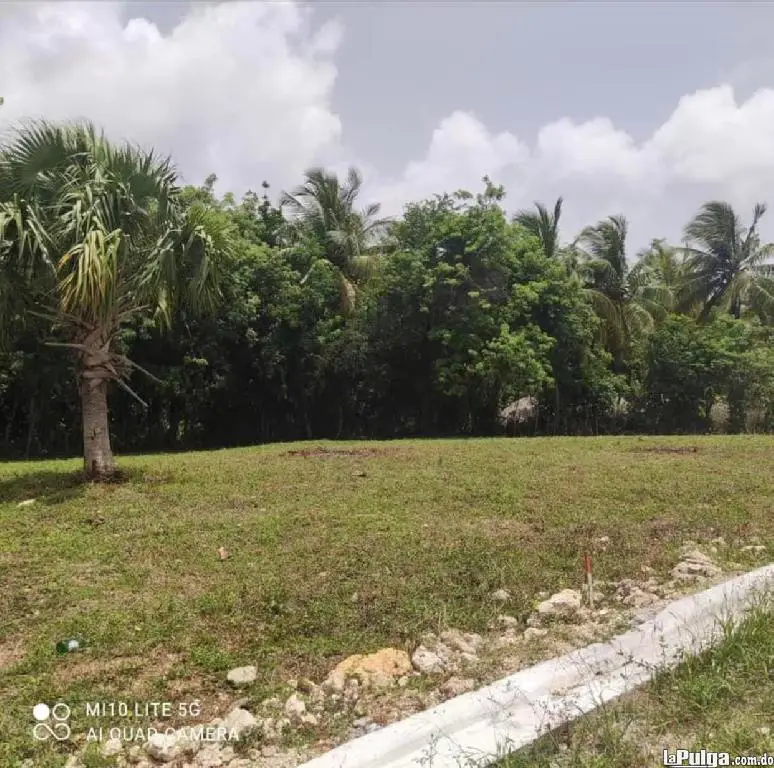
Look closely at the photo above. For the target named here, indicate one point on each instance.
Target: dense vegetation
(318, 319)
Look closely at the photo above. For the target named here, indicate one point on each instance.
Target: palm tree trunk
(97, 455)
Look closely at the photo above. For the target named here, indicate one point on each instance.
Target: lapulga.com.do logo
(51, 722)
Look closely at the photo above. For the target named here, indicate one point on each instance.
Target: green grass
(721, 701)
(329, 554)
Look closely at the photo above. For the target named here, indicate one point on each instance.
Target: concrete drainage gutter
(478, 728)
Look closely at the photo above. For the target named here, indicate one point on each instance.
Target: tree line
(206, 321)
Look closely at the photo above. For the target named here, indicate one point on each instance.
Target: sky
(641, 108)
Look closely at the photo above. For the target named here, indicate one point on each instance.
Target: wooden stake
(589, 579)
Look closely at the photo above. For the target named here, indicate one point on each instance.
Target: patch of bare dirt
(667, 449)
(662, 528)
(11, 653)
(142, 669)
(334, 453)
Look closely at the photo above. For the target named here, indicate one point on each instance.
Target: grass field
(333, 549)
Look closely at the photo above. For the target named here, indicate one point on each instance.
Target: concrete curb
(477, 728)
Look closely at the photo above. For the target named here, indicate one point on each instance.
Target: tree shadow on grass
(49, 487)
(46, 487)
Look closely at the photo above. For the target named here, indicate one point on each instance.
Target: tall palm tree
(91, 235)
(658, 276)
(727, 265)
(628, 302)
(663, 265)
(324, 212)
(543, 225)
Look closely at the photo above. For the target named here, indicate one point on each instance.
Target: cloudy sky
(641, 108)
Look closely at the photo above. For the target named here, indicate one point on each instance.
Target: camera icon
(52, 722)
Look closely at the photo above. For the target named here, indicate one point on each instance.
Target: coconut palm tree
(543, 225)
(662, 265)
(727, 265)
(658, 277)
(324, 215)
(91, 235)
(627, 300)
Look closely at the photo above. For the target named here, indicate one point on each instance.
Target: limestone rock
(294, 708)
(240, 721)
(427, 662)
(210, 757)
(309, 720)
(461, 641)
(164, 747)
(563, 605)
(501, 596)
(242, 676)
(376, 670)
(695, 565)
(534, 632)
(112, 747)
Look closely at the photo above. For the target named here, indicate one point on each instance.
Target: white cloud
(461, 152)
(709, 147)
(242, 89)
(711, 138)
(245, 90)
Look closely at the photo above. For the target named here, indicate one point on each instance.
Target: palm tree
(726, 263)
(627, 300)
(662, 265)
(325, 214)
(544, 226)
(91, 235)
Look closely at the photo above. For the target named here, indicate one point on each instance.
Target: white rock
(112, 747)
(210, 757)
(464, 642)
(564, 605)
(242, 676)
(310, 720)
(334, 683)
(26, 503)
(427, 662)
(693, 565)
(534, 632)
(638, 598)
(294, 707)
(164, 747)
(239, 720)
(501, 595)
(754, 549)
